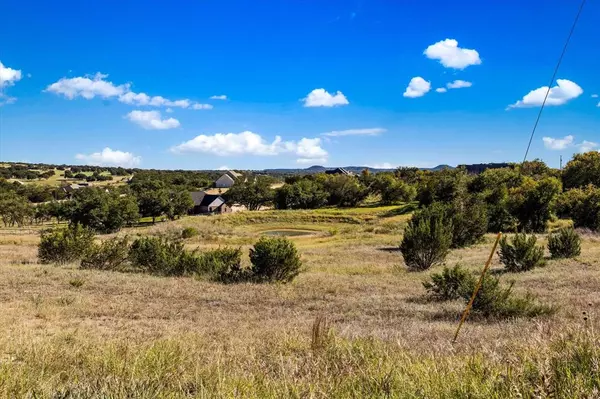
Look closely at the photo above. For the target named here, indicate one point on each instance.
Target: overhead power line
(562, 54)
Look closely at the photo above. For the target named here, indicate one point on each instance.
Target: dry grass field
(354, 324)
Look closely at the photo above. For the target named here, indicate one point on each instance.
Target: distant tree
(179, 203)
(582, 170)
(101, 211)
(392, 189)
(68, 174)
(583, 206)
(81, 176)
(408, 175)
(532, 202)
(442, 186)
(536, 169)
(152, 197)
(253, 194)
(14, 209)
(343, 190)
(302, 194)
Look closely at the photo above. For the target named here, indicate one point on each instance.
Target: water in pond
(288, 233)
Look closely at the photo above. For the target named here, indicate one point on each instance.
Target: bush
(189, 232)
(497, 301)
(449, 284)
(564, 243)
(275, 259)
(521, 253)
(65, 245)
(110, 255)
(225, 265)
(427, 238)
(492, 300)
(163, 257)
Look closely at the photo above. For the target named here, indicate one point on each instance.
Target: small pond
(288, 233)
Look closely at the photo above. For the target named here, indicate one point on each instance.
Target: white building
(227, 180)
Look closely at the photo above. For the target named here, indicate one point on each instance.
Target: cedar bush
(110, 255)
(521, 253)
(427, 238)
(65, 245)
(564, 243)
(449, 284)
(224, 265)
(493, 300)
(163, 257)
(274, 259)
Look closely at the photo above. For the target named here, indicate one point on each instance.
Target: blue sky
(295, 83)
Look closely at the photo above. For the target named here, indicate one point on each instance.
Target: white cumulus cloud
(417, 87)
(459, 84)
(87, 87)
(108, 157)
(558, 144)
(560, 94)
(594, 96)
(219, 97)
(152, 120)
(250, 143)
(9, 76)
(451, 56)
(586, 146)
(223, 168)
(374, 131)
(568, 142)
(322, 98)
(441, 90)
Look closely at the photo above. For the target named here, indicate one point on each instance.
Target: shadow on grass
(401, 210)
(389, 249)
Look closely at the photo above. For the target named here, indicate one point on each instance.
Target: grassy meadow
(355, 323)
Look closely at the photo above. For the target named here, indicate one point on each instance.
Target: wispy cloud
(374, 131)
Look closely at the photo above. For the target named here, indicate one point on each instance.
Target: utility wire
(564, 50)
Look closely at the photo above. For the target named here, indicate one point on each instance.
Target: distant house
(227, 179)
(71, 188)
(208, 203)
(339, 171)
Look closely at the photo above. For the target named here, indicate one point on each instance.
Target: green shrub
(521, 253)
(469, 221)
(564, 243)
(224, 265)
(110, 255)
(163, 257)
(275, 259)
(493, 300)
(65, 245)
(427, 238)
(496, 301)
(449, 284)
(189, 232)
